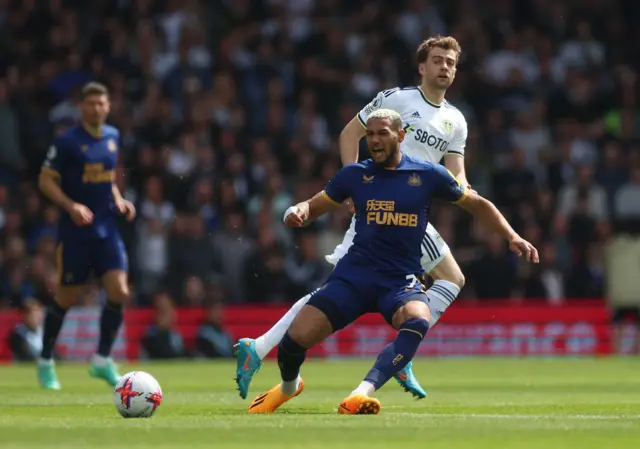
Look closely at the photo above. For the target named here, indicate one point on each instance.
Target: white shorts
(434, 248)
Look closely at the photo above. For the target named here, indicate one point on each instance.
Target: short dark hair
(94, 88)
(444, 42)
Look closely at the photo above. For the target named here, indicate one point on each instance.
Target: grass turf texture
(472, 403)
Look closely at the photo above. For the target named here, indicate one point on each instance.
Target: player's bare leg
(65, 298)
(309, 328)
(412, 323)
(115, 283)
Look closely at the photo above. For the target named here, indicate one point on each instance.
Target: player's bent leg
(408, 380)
(66, 297)
(448, 281)
(412, 322)
(250, 353)
(441, 266)
(116, 285)
(309, 327)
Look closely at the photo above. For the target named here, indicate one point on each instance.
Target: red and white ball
(137, 395)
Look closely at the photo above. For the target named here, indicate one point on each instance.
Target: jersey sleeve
(56, 157)
(384, 99)
(459, 140)
(446, 186)
(339, 188)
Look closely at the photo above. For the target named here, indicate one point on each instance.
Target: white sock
(270, 339)
(441, 295)
(42, 361)
(100, 360)
(291, 386)
(365, 388)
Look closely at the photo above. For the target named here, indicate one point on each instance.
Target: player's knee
(290, 346)
(119, 294)
(419, 326)
(64, 303)
(117, 286)
(120, 297)
(454, 276)
(305, 337)
(417, 309)
(448, 272)
(66, 297)
(309, 327)
(458, 279)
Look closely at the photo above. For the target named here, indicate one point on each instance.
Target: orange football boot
(359, 404)
(270, 401)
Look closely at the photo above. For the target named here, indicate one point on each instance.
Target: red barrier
(492, 328)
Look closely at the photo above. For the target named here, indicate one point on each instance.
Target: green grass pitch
(472, 403)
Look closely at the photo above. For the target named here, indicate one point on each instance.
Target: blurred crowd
(229, 112)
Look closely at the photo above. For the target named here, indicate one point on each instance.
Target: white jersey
(432, 130)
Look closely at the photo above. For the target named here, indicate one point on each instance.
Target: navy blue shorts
(354, 290)
(77, 259)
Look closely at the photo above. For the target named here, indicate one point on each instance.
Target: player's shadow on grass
(297, 411)
(304, 411)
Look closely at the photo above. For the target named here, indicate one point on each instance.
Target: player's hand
(424, 281)
(127, 209)
(81, 214)
(296, 218)
(351, 206)
(520, 246)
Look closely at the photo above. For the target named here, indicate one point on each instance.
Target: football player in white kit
(435, 130)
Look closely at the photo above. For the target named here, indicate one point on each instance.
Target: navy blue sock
(397, 354)
(52, 325)
(110, 322)
(290, 358)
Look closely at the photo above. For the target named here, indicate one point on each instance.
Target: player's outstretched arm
(338, 189)
(489, 215)
(303, 213)
(448, 188)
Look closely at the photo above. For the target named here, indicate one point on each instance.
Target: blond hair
(387, 114)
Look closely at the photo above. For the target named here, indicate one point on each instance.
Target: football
(137, 395)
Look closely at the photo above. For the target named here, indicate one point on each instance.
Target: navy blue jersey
(392, 208)
(86, 167)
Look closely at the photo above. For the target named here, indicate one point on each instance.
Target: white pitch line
(512, 416)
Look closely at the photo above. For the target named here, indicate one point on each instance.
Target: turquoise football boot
(248, 364)
(47, 375)
(108, 372)
(408, 381)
